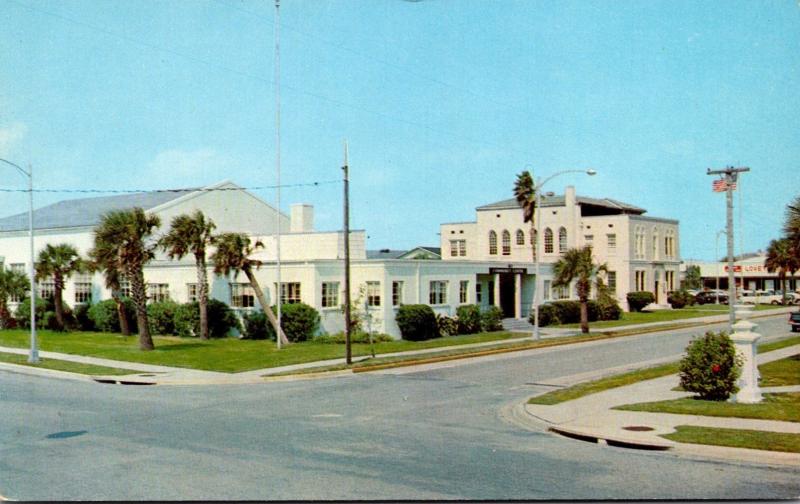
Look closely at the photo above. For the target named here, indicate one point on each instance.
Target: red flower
(715, 368)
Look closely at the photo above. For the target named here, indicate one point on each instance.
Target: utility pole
(278, 164)
(729, 177)
(347, 320)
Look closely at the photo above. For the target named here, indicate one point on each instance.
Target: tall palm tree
(577, 263)
(525, 193)
(104, 257)
(233, 254)
(792, 226)
(781, 258)
(192, 234)
(58, 262)
(12, 283)
(126, 235)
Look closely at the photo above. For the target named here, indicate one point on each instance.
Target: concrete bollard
(744, 340)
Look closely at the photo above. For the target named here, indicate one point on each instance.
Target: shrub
(299, 321)
(639, 299)
(548, 315)
(492, 319)
(161, 316)
(355, 337)
(468, 319)
(448, 326)
(221, 319)
(255, 326)
(81, 312)
(711, 367)
(681, 298)
(105, 318)
(416, 322)
(45, 314)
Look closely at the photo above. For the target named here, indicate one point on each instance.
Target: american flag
(721, 185)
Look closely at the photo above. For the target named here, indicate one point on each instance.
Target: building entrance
(507, 294)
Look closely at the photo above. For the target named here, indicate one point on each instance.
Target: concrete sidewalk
(591, 418)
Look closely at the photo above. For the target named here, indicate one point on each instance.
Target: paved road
(431, 434)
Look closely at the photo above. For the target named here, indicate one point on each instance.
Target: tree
(123, 237)
(693, 279)
(104, 257)
(12, 284)
(192, 234)
(58, 262)
(792, 226)
(525, 193)
(780, 258)
(233, 254)
(577, 263)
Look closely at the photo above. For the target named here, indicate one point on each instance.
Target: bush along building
(486, 263)
(641, 252)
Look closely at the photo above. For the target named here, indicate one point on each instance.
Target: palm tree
(104, 257)
(58, 262)
(792, 226)
(12, 284)
(577, 263)
(525, 193)
(780, 258)
(123, 235)
(232, 254)
(192, 234)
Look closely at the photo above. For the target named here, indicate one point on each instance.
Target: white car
(762, 297)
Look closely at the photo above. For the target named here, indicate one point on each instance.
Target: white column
(518, 296)
(497, 289)
(744, 340)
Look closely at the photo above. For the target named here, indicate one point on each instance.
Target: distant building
(749, 271)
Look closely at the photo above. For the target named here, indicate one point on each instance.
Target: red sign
(736, 269)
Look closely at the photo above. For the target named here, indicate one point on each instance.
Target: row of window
(506, 237)
(549, 241)
(611, 242)
(669, 249)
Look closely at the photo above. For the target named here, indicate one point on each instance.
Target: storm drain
(110, 381)
(66, 434)
(638, 428)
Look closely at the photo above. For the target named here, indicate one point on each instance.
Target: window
(655, 244)
(562, 240)
(17, 267)
(83, 289)
(506, 243)
(438, 292)
(492, 243)
(612, 281)
(290, 293)
(242, 295)
(588, 239)
(462, 291)
(478, 292)
(330, 294)
(520, 237)
(546, 290)
(548, 241)
(639, 243)
(669, 244)
(157, 292)
(125, 288)
(397, 293)
(640, 280)
(458, 248)
(611, 240)
(561, 292)
(373, 293)
(47, 289)
(193, 293)
(670, 278)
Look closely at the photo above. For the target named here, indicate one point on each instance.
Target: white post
(33, 356)
(537, 254)
(518, 295)
(744, 340)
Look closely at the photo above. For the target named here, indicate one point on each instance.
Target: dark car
(794, 321)
(707, 297)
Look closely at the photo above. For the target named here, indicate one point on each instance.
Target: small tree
(12, 284)
(693, 279)
(711, 367)
(58, 262)
(577, 264)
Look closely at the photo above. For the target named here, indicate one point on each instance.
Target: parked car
(794, 321)
(762, 297)
(791, 297)
(710, 297)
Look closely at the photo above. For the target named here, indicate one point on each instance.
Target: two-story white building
(641, 252)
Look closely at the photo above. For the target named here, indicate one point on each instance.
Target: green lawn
(60, 365)
(785, 407)
(781, 372)
(630, 318)
(737, 438)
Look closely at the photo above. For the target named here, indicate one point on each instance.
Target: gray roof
(555, 201)
(385, 254)
(87, 211)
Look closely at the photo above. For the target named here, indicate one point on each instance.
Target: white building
(641, 252)
(749, 271)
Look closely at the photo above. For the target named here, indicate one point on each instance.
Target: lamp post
(33, 356)
(536, 243)
(716, 260)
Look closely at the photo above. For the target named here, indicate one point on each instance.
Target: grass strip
(777, 345)
(783, 407)
(587, 388)
(781, 372)
(62, 365)
(736, 438)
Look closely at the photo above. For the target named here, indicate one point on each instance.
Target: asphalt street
(430, 433)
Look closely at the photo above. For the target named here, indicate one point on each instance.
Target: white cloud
(10, 136)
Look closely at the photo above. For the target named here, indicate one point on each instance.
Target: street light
(33, 356)
(716, 260)
(537, 241)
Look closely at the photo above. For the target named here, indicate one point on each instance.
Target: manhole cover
(638, 428)
(65, 434)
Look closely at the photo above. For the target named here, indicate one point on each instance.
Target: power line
(182, 190)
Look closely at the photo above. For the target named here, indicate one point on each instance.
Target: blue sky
(442, 103)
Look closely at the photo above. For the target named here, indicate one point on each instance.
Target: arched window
(520, 237)
(506, 243)
(492, 243)
(562, 240)
(548, 241)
